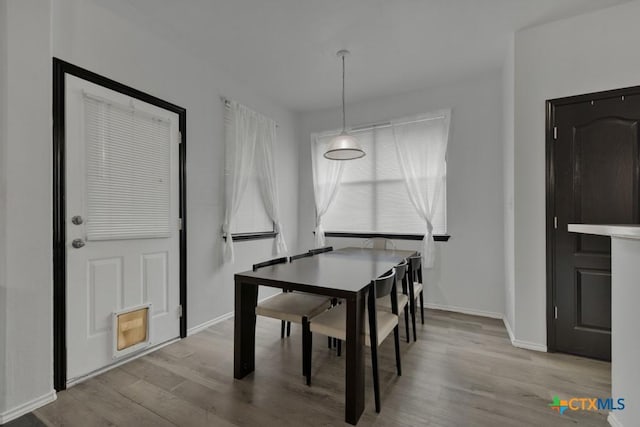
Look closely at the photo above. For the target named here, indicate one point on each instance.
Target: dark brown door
(595, 170)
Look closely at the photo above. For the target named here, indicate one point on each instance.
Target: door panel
(595, 166)
(155, 281)
(593, 290)
(105, 292)
(591, 244)
(606, 156)
(122, 182)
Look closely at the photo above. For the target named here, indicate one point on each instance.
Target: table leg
(244, 342)
(354, 387)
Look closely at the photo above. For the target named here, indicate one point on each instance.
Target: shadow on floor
(28, 420)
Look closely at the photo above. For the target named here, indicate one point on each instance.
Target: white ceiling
(285, 49)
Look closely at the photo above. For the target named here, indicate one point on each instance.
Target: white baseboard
(507, 325)
(493, 315)
(528, 345)
(515, 342)
(520, 343)
(613, 421)
(27, 407)
(209, 323)
(462, 310)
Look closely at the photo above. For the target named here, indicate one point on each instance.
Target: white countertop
(631, 231)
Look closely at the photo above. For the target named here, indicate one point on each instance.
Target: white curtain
(421, 145)
(265, 163)
(326, 181)
(241, 127)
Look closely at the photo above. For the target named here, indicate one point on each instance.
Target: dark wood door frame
(60, 70)
(551, 106)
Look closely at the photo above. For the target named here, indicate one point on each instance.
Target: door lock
(77, 220)
(77, 243)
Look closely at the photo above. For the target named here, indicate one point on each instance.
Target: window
(373, 197)
(252, 217)
(251, 191)
(245, 129)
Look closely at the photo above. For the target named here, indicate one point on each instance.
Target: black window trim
(253, 235)
(393, 236)
(239, 237)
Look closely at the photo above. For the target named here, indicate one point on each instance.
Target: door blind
(128, 172)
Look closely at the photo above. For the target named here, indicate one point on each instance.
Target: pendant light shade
(344, 146)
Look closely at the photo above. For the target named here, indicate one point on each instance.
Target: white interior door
(122, 230)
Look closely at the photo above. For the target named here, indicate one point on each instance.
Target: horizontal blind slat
(128, 179)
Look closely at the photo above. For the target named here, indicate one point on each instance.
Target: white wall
(27, 168)
(3, 198)
(92, 37)
(588, 53)
(469, 271)
(508, 77)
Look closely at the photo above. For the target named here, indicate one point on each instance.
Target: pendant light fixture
(344, 146)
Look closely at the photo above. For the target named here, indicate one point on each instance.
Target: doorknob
(77, 243)
(77, 220)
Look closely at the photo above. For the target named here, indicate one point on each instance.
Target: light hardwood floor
(462, 371)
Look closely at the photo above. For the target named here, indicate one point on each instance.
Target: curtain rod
(227, 103)
(388, 124)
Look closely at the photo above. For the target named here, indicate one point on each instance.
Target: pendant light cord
(344, 119)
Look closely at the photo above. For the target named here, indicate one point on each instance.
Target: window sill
(239, 237)
(393, 236)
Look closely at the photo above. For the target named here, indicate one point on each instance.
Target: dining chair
(380, 325)
(379, 243)
(416, 289)
(288, 324)
(334, 301)
(321, 250)
(330, 341)
(297, 307)
(267, 264)
(403, 297)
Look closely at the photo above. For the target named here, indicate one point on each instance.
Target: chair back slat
(379, 243)
(384, 285)
(268, 263)
(321, 250)
(302, 255)
(416, 262)
(401, 272)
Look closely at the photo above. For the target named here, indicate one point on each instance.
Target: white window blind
(372, 197)
(128, 172)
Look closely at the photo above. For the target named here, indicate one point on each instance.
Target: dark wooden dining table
(344, 273)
